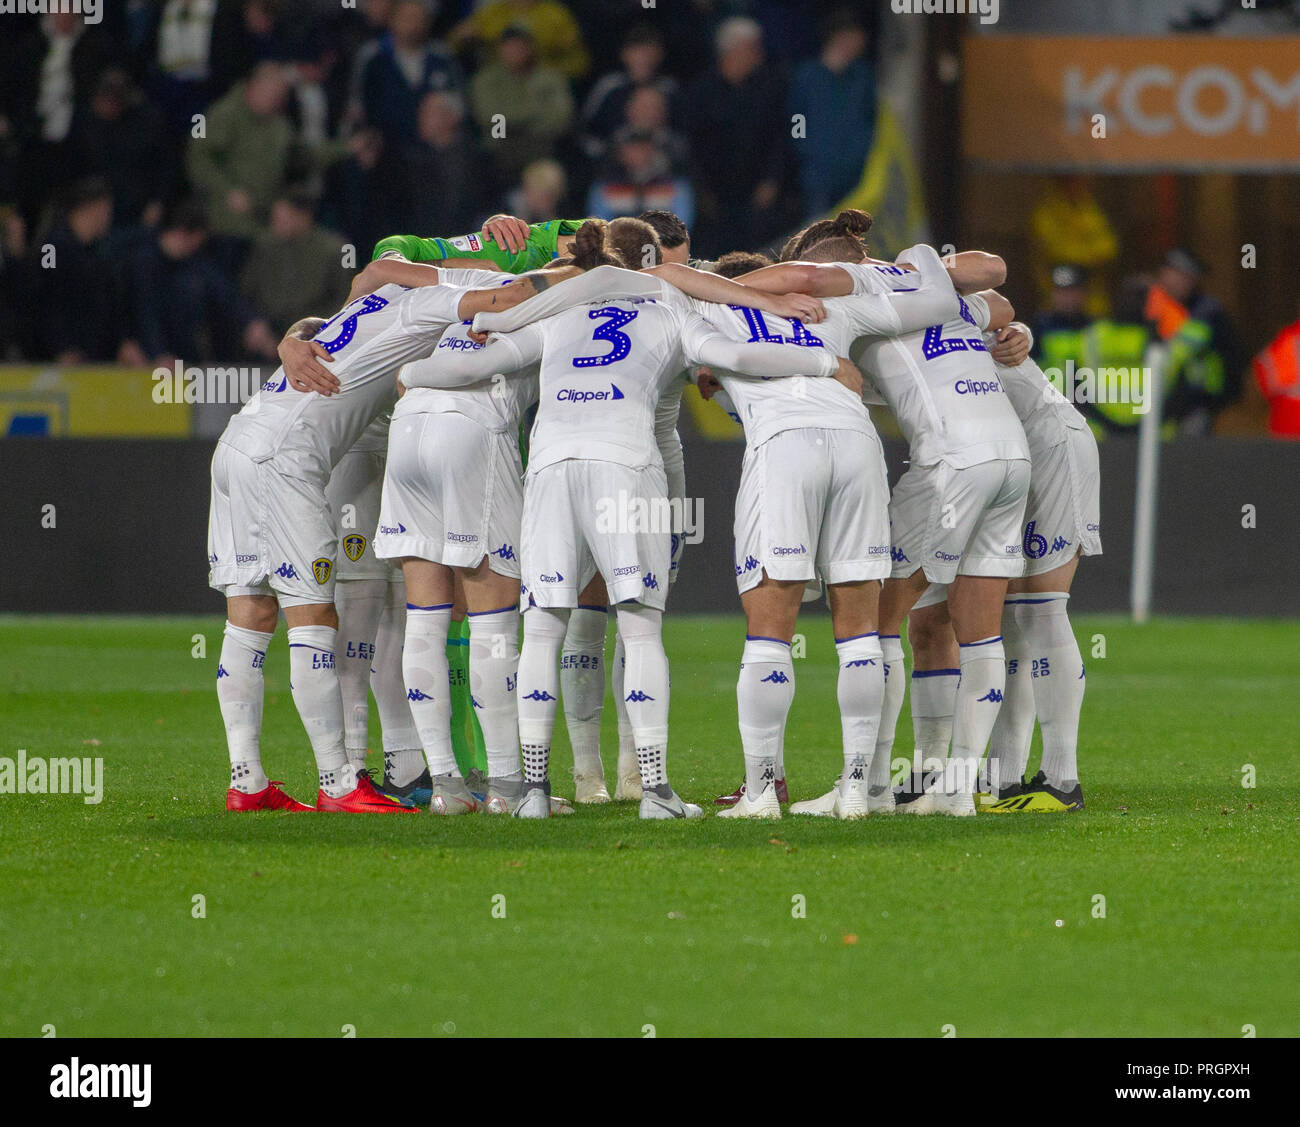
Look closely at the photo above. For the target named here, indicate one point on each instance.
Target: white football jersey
(943, 387)
(497, 403)
(767, 407)
(1044, 412)
(370, 338)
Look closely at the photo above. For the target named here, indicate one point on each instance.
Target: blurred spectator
(836, 93)
(640, 177)
(316, 105)
(245, 159)
(13, 294)
(521, 105)
(198, 49)
(1058, 332)
(368, 40)
(551, 25)
(541, 192)
(1202, 342)
(648, 110)
(1277, 372)
(295, 267)
(46, 75)
(1070, 226)
(120, 137)
(181, 305)
(740, 138)
(441, 180)
(73, 282)
(642, 57)
(407, 66)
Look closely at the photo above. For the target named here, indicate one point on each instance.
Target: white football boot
(663, 803)
(853, 797)
(747, 806)
(827, 806)
(629, 779)
(590, 790)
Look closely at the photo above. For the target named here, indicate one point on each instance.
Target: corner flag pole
(1148, 474)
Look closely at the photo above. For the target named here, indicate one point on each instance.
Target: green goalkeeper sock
(466, 735)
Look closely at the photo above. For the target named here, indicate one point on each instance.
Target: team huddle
(385, 492)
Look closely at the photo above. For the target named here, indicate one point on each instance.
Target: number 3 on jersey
(371, 303)
(610, 332)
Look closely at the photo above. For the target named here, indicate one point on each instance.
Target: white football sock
(582, 685)
(880, 776)
(1057, 676)
(934, 696)
(645, 683)
(626, 744)
(403, 755)
(764, 693)
(861, 693)
(314, 682)
(979, 697)
(240, 695)
(539, 686)
(428, 683)
(493, 673)
(1013, 733)
(360, 602)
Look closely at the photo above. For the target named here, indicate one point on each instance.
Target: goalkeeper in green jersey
(514, 247)
(511, 244)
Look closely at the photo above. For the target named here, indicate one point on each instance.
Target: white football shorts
(813, 504)
(453, 493)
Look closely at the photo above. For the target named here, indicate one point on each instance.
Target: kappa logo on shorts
(242, 558)
(898, 555)
(461, 537)
(749, 565)
(1060, 543)
(650, 582)
(505, 552)
(212, 559)
(286, 571)
(321, 569)
(354, 547)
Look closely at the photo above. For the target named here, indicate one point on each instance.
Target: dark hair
(630, 239)
(87, 190)
(737, 262)
(671, 230)
(185, 215)
(589, 249)
(849, 228)
(643, 32)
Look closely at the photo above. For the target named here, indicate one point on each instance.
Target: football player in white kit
(272, 540)
(593, 466)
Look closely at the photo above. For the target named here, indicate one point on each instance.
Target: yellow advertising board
(87, 402)
(1202, 102)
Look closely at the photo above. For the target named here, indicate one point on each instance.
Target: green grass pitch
(988, 925)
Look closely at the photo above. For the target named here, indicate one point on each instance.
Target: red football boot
(782, 795)
(272, 798)
(364, 800)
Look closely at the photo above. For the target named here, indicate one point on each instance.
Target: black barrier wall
(128, 528)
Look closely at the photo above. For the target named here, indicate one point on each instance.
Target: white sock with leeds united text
(880, 777)
(403, 755)
(240, 694)
(582, 685)
(428, 683)
(314, 682)
(360, 603)
(645, 682)
(764, 693)
(1056, 671)
(493, 673)
(979, 697)
(539, 687)
(934, 696)
(861, 692)
(626, 744)
(1014, 731)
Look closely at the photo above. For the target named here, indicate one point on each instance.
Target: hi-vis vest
(1057, 346)
(1117, 354)
(1277, 370)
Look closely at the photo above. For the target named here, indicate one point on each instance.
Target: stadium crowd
(195, 169)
